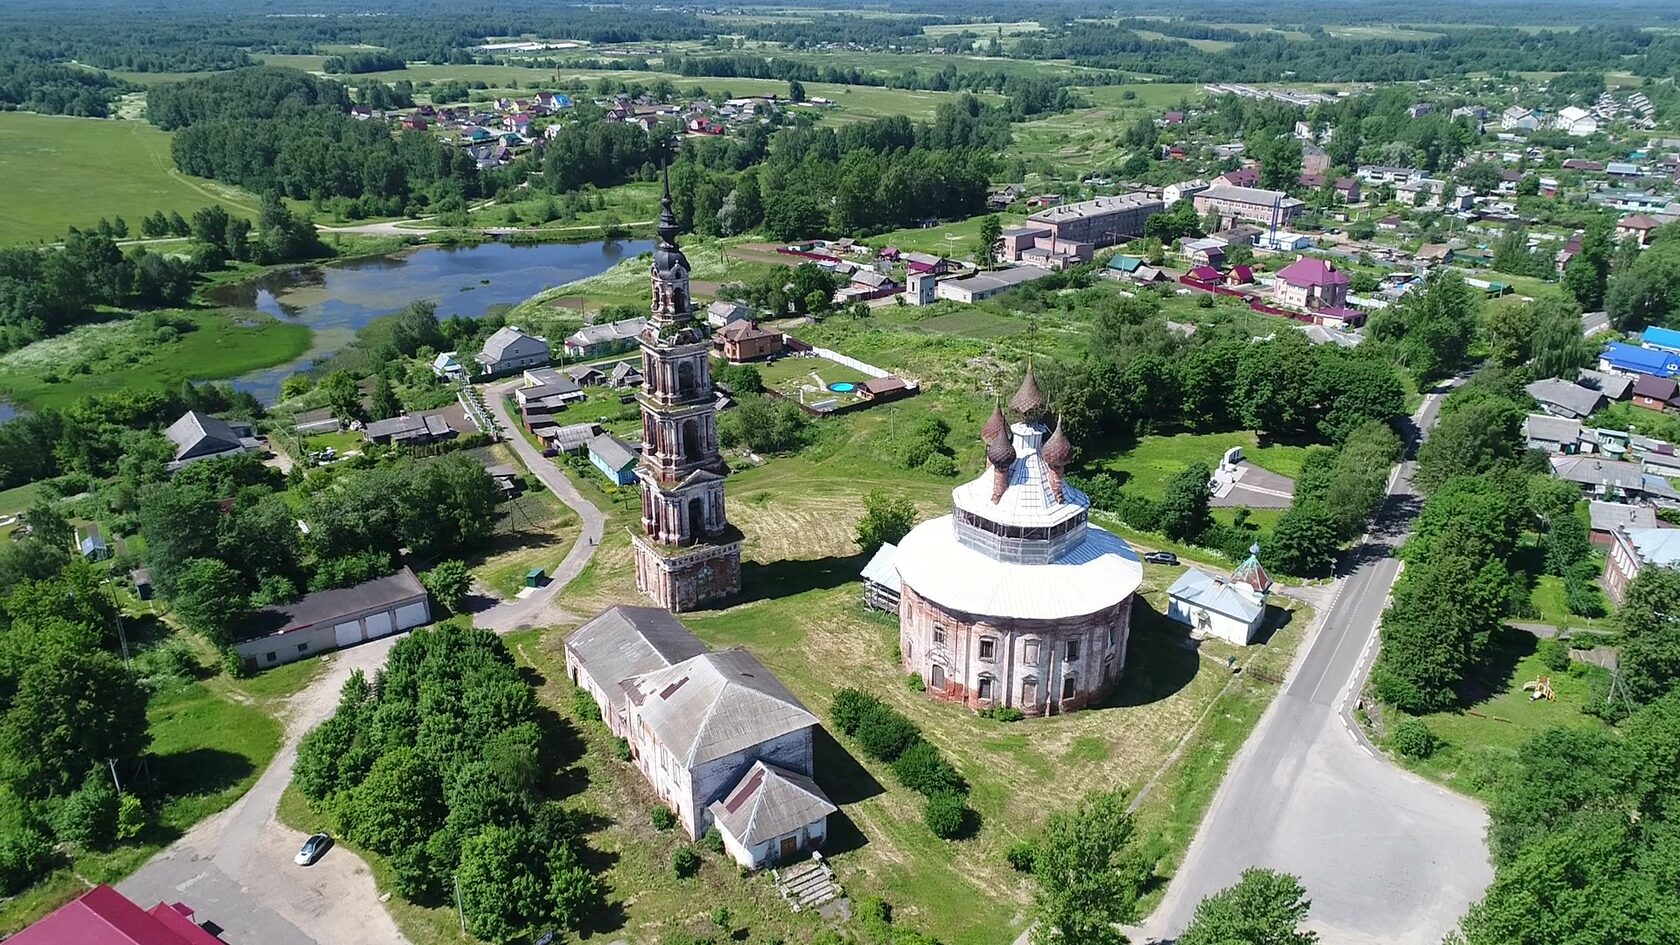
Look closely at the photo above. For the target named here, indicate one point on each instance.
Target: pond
(335, 300)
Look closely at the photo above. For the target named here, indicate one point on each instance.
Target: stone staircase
(806, 885)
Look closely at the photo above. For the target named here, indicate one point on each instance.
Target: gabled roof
(714, 705)
(1202, 589)
(1309, 272)
(612, 451)
(1542, 426)
(1626, 357)
(769, 802)
(623, 641)
(1607, 516)
(103, 916)
(1659, 546)
(198, 433)
(1613, 386)
(1666, 338)
(1125, 263)
(882, 569)
(1655, 388)
(508, 341)
(1560, 396)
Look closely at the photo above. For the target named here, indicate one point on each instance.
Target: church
(1016, 599)
(687, 553)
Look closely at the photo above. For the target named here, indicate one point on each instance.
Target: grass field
(985, 29)
(112, 356)
(1481, 741)
(1144, 468)
(806, 380)
(955, 240)
(61, 172)
(535, 530)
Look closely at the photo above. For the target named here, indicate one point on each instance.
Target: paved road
(235, 869)
(1387, 858)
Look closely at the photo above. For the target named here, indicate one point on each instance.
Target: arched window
(696, 517)
(691, 440)
(1029, 692)
(685, 380)
(986, 687)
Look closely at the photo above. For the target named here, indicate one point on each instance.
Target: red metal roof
(1309, 272)
(104, 916)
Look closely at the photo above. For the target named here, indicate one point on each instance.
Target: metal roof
(769, 802)
(1092, 575)
(1216, 594)
(623, 642)
(714, 705)
(1542, 426)
(1659, 546)
(195, 429)
(338, 604)
(612, 451)
(883, 568)
(1029, 499)
(1572, 399)
(1607, 516)
(497, 346)
(103, 916)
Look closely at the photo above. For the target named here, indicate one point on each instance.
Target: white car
(313, 849)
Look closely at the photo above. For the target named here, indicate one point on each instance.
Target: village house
(1631, 550)
(1517, 118)
(1658, 338)
(1640, 226)
(593, 341)
(744, 341)
(721, 313)
(1605, 517)
(104, 916)
(1655, 393)
(199, 436)
(1310, 283)
(571, 438)
(718, 737)
(410, 430)
(510, 349)
(982, 286)
(1612, 386)
(1634, 360)
(1552, 434)
(1206, 251)
(1269, 208)
(1560, 398)
(1246, 176)
(625, 374)
(1231, 609)
(1575, 121)
(1614, 480)
(1183, 190)
(615, 458)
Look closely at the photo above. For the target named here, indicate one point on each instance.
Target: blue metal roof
(1626, 357)
(1655, 337)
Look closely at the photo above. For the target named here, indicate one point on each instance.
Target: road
(1386, 857)
(235, 869)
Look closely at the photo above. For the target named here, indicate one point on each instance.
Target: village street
(236, 868)
(1386, 857)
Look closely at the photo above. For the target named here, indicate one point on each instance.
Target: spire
(1252, 573)
(1029, 400)
(996, 426)
(667, 218)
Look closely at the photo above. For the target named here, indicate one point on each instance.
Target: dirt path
(236, 868)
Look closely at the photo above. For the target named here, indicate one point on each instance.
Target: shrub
(914, 681)
(1413, 739)
(584, 707)
(663, 819)
(849, 708)
(87, 817)
(945, 814)
(922, 769)
(721, 917)
(621, 750)
(1003, 713)
(1022, 855)
(25, 856)
(131, 817)
(685, 862)
(940, 465)
(1554, 653)
(712, 840)
(885, 733)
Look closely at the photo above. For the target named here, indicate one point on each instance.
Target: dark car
(1161, 557)
(313, 849)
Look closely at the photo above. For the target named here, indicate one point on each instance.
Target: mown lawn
(113, 357)
(59, 172)
(536, 530)
(1146, 466)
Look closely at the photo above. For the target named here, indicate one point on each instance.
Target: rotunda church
(1015, 598)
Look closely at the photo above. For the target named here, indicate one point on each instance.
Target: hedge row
(888, 736)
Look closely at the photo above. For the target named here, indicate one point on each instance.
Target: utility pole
(459, 912)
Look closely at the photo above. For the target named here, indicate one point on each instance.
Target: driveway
(1387, 858)
(235, 869)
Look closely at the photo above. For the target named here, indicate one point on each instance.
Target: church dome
(1028, 402)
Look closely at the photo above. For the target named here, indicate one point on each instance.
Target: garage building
(331, 619)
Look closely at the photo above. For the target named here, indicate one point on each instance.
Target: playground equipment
(1538, 689)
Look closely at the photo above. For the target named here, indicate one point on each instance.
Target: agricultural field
(61, 172)
(130, 355)
(985, 29)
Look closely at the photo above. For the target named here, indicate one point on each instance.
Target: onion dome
(1000, 452)
(1029, 400)
(996, 426)
(1057, 451)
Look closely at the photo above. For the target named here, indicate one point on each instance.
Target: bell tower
(687, 553)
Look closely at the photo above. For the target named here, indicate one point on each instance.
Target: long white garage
(331, 619)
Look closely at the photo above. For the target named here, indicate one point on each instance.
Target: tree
(796, 90)
(991, 233)
(502, 896)
(1265, 907)
(71, 711)
(765, 425)
(1431, 328)
(1588, 272)
(383, 399)
(1468, 441)
(1184, 508)
(210, 598)
(1280, 163)
(1443, 612)
(1306, 540)
(1087, 879)
(1650, 621)
(887, 518)
(343, 395)
(448, 582)
(398, 805)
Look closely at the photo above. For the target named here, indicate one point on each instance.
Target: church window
(938, 635)
(985, 687)
(1111, 636)
(988, 650)
(1029, 652)
(1073, 651)
(1068, 688)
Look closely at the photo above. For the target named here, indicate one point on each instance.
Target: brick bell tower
(687, 553)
